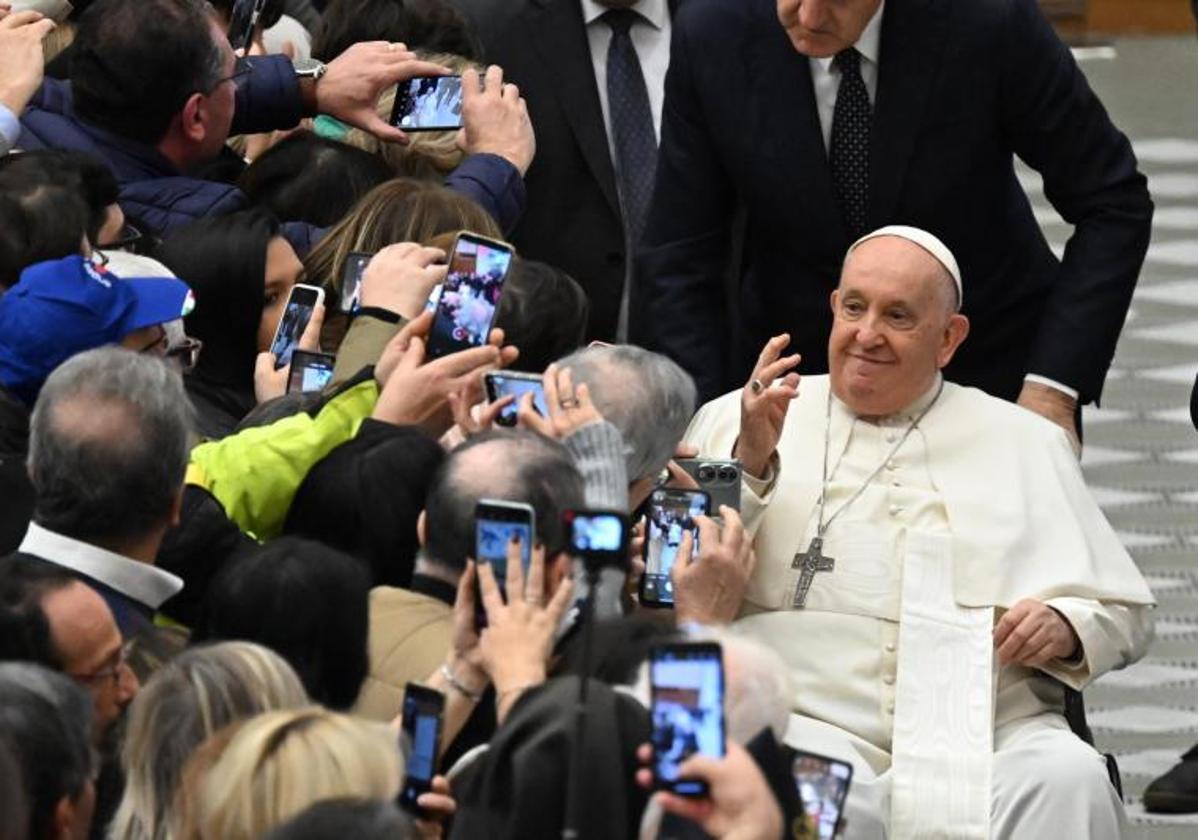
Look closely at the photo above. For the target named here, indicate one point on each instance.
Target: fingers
(709, 532)
(775, 369)
(527, 417)
(1017, 638)
(694, 810)
(310, 340)
(489, 416)
(492, 599)
(371, 122)
(773, 348)
(534, 589)
(680, 477)
(734, 529)
(549, 383)
(413, 356)
(467, 361)
(493, 84)
(682, 560)
(514, 584)
(16, 20)
(1009, 621)
(560, 602)
(264, 365)
(464, 601)
(686, 450)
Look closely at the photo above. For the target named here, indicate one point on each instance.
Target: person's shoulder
(994, 416)
(392, 600)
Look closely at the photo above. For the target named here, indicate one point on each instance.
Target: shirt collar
(655, 12)
(869, 44)
(140, 581)
(906, 415)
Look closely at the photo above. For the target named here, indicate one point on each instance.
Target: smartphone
(419, 743)
(495, 523)
(823, 785)
(310, 371)
(301, 303)
(671, 515)
(469, 295)
(719, 478)
(503, 383)
(687, 710)
(351, 281)
(598, 537)
(428, 103)
(242, 20)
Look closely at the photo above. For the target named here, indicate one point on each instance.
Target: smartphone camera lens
(727, 475)
(707, 474)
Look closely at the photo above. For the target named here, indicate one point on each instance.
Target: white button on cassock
(895, 510)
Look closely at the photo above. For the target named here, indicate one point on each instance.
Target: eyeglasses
(186, 354)
(108, 672)
(241, 69)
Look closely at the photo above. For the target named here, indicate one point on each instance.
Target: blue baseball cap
(60, 308)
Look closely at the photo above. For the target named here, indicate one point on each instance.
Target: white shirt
(136, 580)
(650, 39)
(825, 81)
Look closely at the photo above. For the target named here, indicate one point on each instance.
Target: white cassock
(892, 655)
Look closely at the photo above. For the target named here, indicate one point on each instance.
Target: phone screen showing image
(300, 306)
(495, 524)
(428, 103)
(420, 739)
(823, 785)
(469, 296)
(310, 371)
(351, 281)
(671, 515)
(687, 709)
(500, 385)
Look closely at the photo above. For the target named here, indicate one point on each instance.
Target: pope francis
(930, 565)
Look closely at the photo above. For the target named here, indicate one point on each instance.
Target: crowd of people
(215, 589)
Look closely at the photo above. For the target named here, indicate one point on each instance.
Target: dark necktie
(852, 120)
(631, 123)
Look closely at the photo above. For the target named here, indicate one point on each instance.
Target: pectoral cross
(810, 561)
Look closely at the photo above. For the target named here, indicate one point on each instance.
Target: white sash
(944, 703)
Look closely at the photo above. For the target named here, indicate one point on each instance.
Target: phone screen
(300, 306)
(351, 281)
(671, 515)
(419, 742)
(242, 20)
(310, 371)
(823, 785)
(428, 103)
(469, 296)
(500, 385)
(687, 683)
(495, 523)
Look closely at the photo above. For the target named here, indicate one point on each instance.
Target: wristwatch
(309, 68)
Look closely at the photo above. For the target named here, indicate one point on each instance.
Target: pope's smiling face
(894, 326)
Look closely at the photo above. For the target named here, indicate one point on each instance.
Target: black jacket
(962, 89)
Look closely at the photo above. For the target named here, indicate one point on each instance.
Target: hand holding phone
(671, 515)
(310, 371)
(420, 743)
(687, 710)
(301, 306)
(470, 295)
(496, 523)
(510, 383)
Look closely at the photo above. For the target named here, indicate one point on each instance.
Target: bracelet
(457, 685)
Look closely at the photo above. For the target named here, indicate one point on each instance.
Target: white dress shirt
(650, 39)
(825, 80)
(138, 581)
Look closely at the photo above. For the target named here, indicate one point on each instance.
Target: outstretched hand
(763, 405)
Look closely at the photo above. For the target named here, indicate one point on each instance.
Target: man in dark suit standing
(825, 119)
(592, 72)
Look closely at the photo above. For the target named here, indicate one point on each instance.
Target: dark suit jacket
(572, 219)
(962, 88)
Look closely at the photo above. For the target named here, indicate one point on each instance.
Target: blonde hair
(429, 155)
(402, 210)
(258, 774)
(187, 701)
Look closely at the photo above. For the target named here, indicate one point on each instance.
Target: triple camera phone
(687, 710)
(465, 310)
(420, 742)
(301, 305)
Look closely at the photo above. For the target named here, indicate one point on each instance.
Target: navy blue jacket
(161, 197)
(963, 88)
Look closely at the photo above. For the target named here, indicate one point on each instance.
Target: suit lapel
(557, 34)
(786, 116)
(911, 48)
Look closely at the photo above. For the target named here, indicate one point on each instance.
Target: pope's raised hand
(764, 403)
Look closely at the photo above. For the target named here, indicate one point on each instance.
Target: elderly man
(930, 565)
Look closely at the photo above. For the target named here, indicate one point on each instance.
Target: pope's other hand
(1033, 634)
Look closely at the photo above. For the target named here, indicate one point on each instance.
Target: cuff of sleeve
(1075, 672)
(10, 127)
(1052, 383)
(378, 313)
(762, 486)
(598, 450)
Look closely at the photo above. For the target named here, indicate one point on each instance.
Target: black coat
(572, 219)
(963, 87)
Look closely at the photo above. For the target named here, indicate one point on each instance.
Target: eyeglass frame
(111, 672)
(187, 352)
(241, 69)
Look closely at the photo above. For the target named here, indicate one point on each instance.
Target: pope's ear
(954, 333)
(834, 300)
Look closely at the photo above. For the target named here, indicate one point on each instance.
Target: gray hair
(645, 395)
(109, 442)
(46, 720)
(186, 701)
(759, 689)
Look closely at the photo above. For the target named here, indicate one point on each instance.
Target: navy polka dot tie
(631, 116)
(852, 121)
